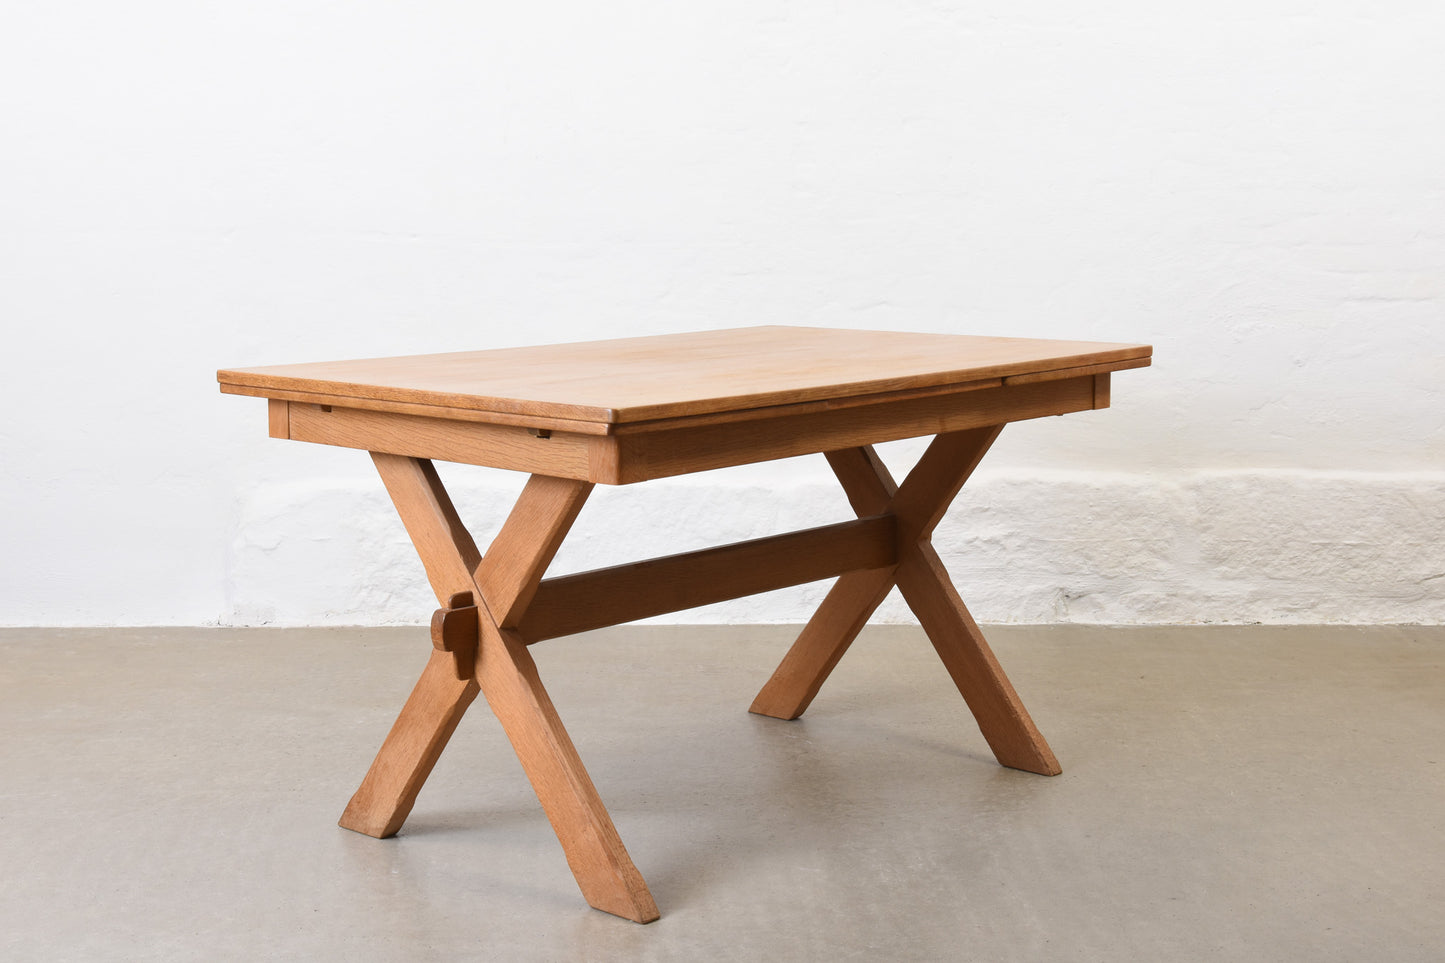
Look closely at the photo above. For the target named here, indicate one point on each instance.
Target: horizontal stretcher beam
(624, 593)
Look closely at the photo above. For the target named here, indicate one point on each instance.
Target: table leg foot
(504, 582)
(918, 505)
(1005, 723)
(604, 871)
(411, 749)
(844, 612)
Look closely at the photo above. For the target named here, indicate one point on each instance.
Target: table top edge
(258, 381)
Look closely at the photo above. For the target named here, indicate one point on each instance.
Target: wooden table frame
(494, 606)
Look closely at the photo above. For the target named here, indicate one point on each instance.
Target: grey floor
(1228, 794)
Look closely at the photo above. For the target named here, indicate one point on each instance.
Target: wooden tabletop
(631, 380)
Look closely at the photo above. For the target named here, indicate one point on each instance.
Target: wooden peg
(454, 629)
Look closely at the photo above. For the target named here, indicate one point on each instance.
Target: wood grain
(562, 455)
(639, 590)
(442, 542)
(426, 411)
(1005, 723)
(660, 454)
(379, 807)
(918, 504)
(627, 457)
(768, 412)
(925, 584)
(455, 630)
(629, 410)
(506, 675)
(437, 703)
(668, 376)
(509, 573)
(1091, 369)
(925, 495)
(1101, 390)
(845, 610)
(278, 418)
(600, 863)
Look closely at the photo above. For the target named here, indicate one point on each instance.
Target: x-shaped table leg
(918, 505)
(485, 650)
(503, 584)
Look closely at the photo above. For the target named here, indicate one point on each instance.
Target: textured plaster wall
(1039, 546)
(1256, 189)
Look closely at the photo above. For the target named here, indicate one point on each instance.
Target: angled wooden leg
(1005, 723)
(411, 749)
(604, 871)
(919, 504)
(854, 597)
(440, 699)
(844, 612)
(507, 580)
(504, 582)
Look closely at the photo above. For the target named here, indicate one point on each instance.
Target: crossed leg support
(505, 581)
(918, 505)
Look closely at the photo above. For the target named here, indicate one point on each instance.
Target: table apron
(560, 454)
(626, 457)
(660, 453)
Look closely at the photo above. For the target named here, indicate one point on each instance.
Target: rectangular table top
(630, 380)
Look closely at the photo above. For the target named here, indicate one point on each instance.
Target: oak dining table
(629, 410)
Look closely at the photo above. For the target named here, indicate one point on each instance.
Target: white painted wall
(1258, 189)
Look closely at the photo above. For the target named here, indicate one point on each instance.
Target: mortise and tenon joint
(455, 629)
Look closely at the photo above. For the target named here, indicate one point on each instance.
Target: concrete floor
(1228, 794)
